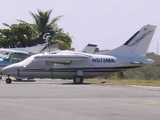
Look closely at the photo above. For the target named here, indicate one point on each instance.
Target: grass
(124, 82)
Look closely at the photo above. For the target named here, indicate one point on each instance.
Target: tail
(90, 48)
(45, 37)
(137, 45)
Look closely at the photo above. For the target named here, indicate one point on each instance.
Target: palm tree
(42, 22)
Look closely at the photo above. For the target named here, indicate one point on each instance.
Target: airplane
(39, 45)
(91, 48)
(79, 65)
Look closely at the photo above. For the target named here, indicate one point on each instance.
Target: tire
(8, 81)
(78, 80)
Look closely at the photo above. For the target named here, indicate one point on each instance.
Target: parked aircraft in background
(80, 65)
(13, 55)
(40, 45)
(91, 48)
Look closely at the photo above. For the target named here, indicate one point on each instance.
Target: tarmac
(44, 99)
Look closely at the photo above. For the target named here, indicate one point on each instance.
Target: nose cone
(9, 69)
(6, 69)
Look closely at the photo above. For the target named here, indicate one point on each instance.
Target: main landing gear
(8, 80)
(78, 80)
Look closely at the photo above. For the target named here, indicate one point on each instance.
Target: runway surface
(62, 100)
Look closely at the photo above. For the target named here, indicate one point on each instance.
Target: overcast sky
(107, 23)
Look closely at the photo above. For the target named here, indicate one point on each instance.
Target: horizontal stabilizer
(137, 63)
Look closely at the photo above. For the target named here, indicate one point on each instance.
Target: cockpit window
(17, 57)
(5, 58)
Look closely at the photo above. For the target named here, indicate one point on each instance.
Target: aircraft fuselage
(95, 65)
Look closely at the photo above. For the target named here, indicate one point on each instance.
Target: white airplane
(80, 65)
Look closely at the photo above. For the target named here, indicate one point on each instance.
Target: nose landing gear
(8, 80)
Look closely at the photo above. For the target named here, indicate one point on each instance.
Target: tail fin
(43, 38)
(91, 48)
(137, 45)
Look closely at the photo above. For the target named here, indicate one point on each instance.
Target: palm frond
(5, 24)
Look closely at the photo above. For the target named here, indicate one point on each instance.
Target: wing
(61, 58)
(10, 50)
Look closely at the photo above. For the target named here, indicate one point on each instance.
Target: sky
(107, 23)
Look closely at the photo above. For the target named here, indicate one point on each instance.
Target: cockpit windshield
(9, 58)
(17, 57)
(5, 58)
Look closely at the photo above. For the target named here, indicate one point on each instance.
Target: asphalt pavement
(44, 99)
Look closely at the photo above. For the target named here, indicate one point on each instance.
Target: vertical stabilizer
(91, 48)
(137, 45)
(45, 37)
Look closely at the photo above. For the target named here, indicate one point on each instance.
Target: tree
(147, 72)
(62, 38)
(17, 35)
(25, 33)
(42, 22)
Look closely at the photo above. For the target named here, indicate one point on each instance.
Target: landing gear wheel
(8, 81)
(78, 80)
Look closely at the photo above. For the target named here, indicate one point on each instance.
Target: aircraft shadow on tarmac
(75, 84)
(25, 81)
(64, 83)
